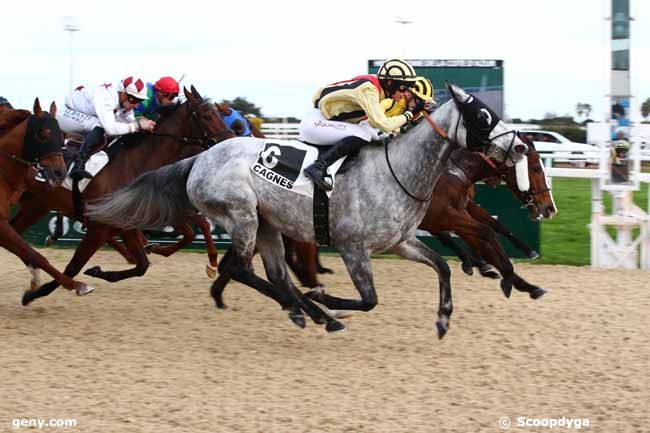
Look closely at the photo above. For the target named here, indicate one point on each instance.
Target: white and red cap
(134, 86)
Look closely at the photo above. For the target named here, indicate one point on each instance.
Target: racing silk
(148, 108)
(233, 117)
(102, 102)
(393, 107)
(354, 100)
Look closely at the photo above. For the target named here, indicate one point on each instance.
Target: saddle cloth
(281, 162)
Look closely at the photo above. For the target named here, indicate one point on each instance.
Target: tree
(244, 107)
(583, 109)
(645, 108)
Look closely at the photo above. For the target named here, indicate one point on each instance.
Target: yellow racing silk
(353, 101)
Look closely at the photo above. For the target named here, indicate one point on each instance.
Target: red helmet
(167, 85)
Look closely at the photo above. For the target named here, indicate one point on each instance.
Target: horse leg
(483, 216)
(122, 249)
(58, 230)
(357, 262)
(242, 225)
(30, 212)
(216, 291)
(535, 292)
(134, 245)
(64, 279)
(414, 249)
(202, 223)
(446, 239)
(484, 240)
(270, 247)
(305, 263)
(168, 250)
(319, 267)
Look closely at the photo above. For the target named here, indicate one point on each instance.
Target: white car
(547, 142)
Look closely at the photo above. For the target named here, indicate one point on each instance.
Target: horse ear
(37, 108)
(196, 93)
(190, 97)
(53, 109)
(450, 89)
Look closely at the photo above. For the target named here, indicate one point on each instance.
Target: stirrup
(318, 175)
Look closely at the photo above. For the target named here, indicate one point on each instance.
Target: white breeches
(316, 129)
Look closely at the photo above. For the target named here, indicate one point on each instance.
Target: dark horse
(183, 131)
(30, 144)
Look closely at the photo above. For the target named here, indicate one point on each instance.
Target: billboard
(483, 78)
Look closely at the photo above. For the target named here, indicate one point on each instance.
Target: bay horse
(376, 207)
(30, 144)
(452, 210)
(184, 130)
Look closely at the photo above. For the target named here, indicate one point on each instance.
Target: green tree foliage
(583, 109)
(244, 106)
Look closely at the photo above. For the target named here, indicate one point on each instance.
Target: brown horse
(452, 210)
(184, 130)
(30, 144)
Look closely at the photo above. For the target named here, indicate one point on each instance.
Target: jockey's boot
(90, 142)
(318, 170)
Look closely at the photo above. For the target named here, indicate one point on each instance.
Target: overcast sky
(276, 54)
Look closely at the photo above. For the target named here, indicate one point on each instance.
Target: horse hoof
(442, 326)
(467, 268)
(211, 271)
(334, 326)
(93, 272)
(298, 320)
(325, 271)
(84, 290)
(489, 272)
(538, 293)
(506, 286)
(27, 298)
(533, 255)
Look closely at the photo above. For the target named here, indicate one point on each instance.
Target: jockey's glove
(408, 115)
(145, 124)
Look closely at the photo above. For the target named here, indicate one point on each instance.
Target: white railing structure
(280, 131)
(621, 250)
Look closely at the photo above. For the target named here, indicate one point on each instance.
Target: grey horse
(376, 206)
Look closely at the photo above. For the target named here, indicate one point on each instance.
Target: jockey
(235, 121)
(160, 94)
(105, 109)
(339, 107)
(5, 103)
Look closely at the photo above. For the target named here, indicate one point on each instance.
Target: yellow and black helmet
(423, 89)
(396, 69)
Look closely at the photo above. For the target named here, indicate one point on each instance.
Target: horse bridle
(205, 141)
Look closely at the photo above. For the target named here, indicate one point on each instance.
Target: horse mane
(10, 118)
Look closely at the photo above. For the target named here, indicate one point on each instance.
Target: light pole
(70, 27)
(404, 22)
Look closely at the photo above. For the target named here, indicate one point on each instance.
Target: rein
(441, 133)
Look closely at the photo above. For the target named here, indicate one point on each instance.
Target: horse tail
(153, 200)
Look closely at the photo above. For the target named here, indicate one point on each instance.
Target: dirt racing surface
(152, 354)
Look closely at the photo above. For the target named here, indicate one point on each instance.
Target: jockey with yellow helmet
(104, 109)
(341, 106)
